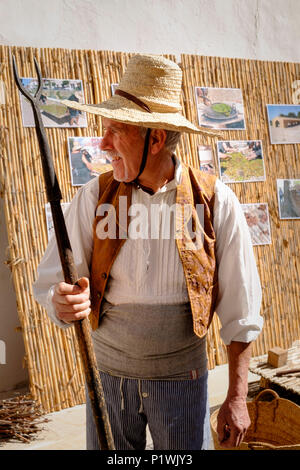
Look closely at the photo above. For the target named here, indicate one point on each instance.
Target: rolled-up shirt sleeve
(239, 297)
(79, 217)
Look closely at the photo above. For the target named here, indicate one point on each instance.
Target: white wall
(258, 29)
(254, 29)
(12, 351)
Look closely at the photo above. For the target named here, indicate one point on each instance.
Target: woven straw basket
(275, 424)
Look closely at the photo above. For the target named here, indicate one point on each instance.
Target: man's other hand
(233, 422)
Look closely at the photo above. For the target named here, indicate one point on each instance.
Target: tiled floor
(66, 429)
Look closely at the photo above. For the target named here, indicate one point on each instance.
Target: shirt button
(145, 395)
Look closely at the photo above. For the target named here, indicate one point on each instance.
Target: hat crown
(151, 97)
(155, 80)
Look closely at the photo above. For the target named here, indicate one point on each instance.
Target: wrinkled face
(124, 146)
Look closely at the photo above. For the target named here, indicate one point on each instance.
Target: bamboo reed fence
(52, 355)
(261, 82)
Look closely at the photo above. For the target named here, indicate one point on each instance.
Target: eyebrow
(113, 127)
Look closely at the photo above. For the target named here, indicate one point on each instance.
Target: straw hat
(148, 95)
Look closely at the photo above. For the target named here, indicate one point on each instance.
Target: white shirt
(155, 275)
(141, 271)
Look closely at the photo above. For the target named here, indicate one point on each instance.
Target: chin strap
(144, 158)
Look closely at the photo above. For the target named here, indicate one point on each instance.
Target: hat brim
(120, 109)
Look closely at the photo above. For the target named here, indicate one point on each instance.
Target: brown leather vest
(199, 264)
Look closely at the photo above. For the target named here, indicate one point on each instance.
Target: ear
(157, 140)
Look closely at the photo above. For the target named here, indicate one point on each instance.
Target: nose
(106, 143)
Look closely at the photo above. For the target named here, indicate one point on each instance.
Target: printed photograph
(257, 217)
(54, 113)
(288, 191)
(49, 220)
(114, 86)
(241, 161)
(206, 159)
(220, 108)
(86, 159)
(284, 123)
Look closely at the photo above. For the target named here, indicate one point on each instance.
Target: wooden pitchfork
(82, 327)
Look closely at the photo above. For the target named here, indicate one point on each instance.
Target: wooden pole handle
(82, 329)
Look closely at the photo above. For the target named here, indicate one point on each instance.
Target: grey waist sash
(149, 341)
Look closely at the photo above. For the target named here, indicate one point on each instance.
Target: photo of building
(284, 123)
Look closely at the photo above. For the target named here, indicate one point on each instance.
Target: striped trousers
(176, 411)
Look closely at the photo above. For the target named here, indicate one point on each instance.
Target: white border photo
(86, 159)
(258, 220)
(288, 193)
(53, 112)
(49, 219)
(241, 161)
(206, 159)
(284, 123)
(220, 108)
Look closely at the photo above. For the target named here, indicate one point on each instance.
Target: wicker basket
(275, 424)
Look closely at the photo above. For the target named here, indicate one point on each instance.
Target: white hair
(172, 138)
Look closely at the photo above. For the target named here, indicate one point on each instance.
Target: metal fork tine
(39, 89)
(34, 99)
(19, 83)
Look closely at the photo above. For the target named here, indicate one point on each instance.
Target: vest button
(104, 275)
(99, 295)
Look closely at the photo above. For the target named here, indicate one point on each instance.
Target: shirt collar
(175, 181)
(177, 176)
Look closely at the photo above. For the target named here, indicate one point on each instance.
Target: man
(151, 276)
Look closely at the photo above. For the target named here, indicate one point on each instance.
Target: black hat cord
(144, 158)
